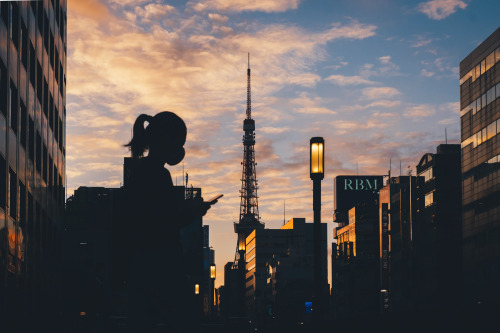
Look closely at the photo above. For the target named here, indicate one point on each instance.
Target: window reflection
(427, 174)
(487, 98)
(483, 135)
(490, 60)
(429, 199)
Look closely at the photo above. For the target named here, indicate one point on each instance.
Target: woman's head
(163, 137)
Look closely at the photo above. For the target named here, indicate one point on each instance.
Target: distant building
(355, 263)
(439, 229)
(289, 251)
(351, 190)
(32, 161)
(354, 255)
(480, 125)
(397, 232)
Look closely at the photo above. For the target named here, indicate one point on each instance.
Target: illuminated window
(429, 199)
(427, 174)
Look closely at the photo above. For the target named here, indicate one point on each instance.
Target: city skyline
(387, 71)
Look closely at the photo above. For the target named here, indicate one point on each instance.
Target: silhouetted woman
(157, 282)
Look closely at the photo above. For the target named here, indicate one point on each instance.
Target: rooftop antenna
(445, 136)
(357, 169)
(390, 169)
(284, 212)
(399, 168)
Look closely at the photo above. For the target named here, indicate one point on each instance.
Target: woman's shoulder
(144, 172)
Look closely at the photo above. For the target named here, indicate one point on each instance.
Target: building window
(429, 199)
(427, 174)
(24, 132)
(3, 182)
(13, 194)
(31, 149)
(22, 204)
(13, 107)
(3, 89)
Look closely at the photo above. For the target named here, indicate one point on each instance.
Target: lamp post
(317, 164)
(212, 290)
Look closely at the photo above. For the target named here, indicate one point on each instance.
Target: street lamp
(212, 271)
(317, 166)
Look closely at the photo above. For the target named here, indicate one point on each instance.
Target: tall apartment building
(480, 125)
(398, 236)
(439, 230)
(32, 156)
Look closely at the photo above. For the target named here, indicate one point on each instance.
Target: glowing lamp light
(317, 165)
(241, 242)
(196, 289)
(212, 271)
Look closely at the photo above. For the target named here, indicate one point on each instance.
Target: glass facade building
(32, 156)
(480, 125)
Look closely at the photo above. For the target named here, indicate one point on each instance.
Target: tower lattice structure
(249, 207)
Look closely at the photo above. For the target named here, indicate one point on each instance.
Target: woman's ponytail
(139, 142)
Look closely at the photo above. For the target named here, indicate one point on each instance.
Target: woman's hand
(199, 208)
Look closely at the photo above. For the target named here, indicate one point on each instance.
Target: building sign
(353, 190)
(360, 184)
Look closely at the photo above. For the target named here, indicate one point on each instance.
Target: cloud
(385, 59)
(153, 11)
(422, 41)
(426, 73)
(440, 9)
(343, 80)
(218, 18)
(380, 92)
(419, 111)
(245, 5)
(385, 68)
(91, 9)
(306, 104)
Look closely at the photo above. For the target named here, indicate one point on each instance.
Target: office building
(355, 264)
(397, 239)
(32, 159)
(356, 204)
(290, 251)
(480, 125)
(439, 230)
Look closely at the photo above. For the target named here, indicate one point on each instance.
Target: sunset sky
(378, 79)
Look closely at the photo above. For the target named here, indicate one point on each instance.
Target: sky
(378, 79)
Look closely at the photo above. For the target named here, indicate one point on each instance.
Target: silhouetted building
(439, 230)
(351, 190)
(232, 301)
(355, 263)
(397, 230)
(480, 124)
(289, 251)
(90, 218)
(32, 160)
(353, 273)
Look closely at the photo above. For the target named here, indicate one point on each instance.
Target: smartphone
(214, 199)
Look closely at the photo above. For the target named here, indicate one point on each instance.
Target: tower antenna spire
(249, 91)
(249, 207)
